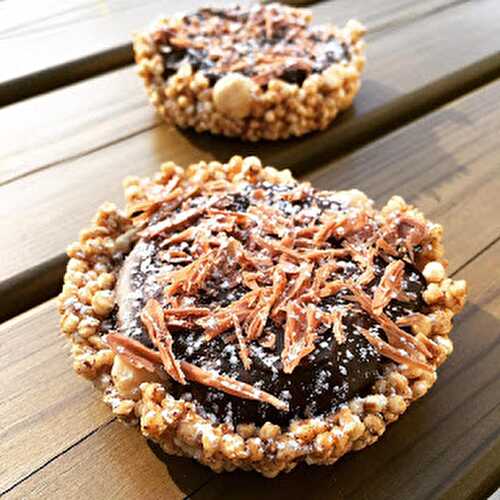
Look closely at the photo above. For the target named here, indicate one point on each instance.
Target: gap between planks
(51, 65)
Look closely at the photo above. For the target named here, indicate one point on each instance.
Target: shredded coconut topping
(246, 260)
(263, 42)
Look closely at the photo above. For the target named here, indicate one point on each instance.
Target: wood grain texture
(103, 110)
(49, 44)
(114, 462)
(44, 131)
(44, 408)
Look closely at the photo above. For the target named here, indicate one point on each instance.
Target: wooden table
(75, 121)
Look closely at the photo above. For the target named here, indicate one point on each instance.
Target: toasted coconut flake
(258, 323)
(145, 209)
(305, 274)
(176, 324)
(412, 230)
(188, 277)
(299, 339)
(411, 319)
(322, 274)
(172, 223)
(175, 257)
(341, 226)
(136, 354)
(240, 217)
(244, 352)
(338, 327)
(307, 232)
(397, 355)
(331, 288)
(389, 286)
(256, 326)
(250, 279)
(386, 247)
(400, 338)
(396, 336)
(152, 317)
(202, 271)
(273, 222)
(313, 320)
(222, 320)
(186, 235)
(248, 260)
(231, 386)
(365, 258)
(187, 312)
(325, 254)
(275, 247)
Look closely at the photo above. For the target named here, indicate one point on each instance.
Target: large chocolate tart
(249, 320)
(262, 72)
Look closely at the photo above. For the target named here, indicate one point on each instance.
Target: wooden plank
(45, 409)
(92, 114)
(50, 44)
(73, 121)
(98, 36)
(446, 446)
(464, 135)
(114, 462)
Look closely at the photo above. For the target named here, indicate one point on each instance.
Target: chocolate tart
(251, 321)
(256, 73)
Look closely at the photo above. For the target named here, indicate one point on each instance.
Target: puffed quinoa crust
(237, 107)
(142, 399)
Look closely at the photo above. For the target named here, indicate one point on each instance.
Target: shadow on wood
(350, 129)
(185, 472)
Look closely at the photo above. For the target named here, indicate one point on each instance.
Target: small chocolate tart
(242, 232)
(260, 72)
(247, 320)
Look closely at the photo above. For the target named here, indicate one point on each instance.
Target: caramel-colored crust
(278, 111)
(141, 398)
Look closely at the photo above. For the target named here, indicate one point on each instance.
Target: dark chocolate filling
(310, 49)
(332, 374)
